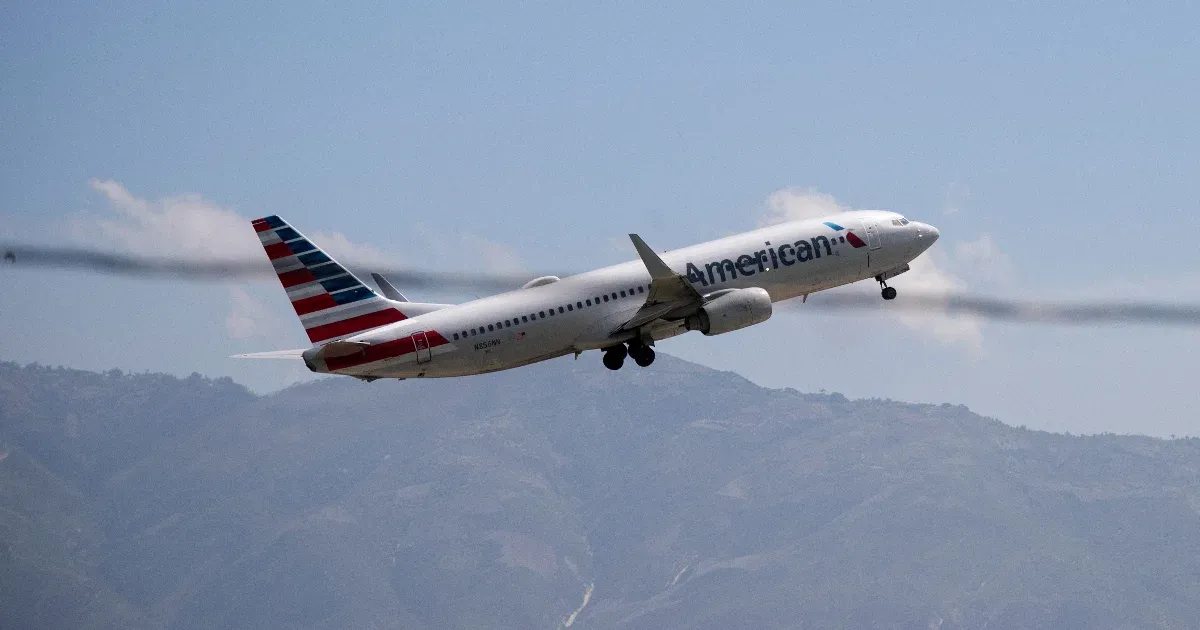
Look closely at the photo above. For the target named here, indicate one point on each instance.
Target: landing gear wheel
(642, 355)
(889, 293)
(614, 357)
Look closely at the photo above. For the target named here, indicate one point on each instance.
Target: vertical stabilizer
(329, 300)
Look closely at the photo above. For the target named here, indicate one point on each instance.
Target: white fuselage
(580, 312)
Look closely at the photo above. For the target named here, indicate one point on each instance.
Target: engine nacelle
(737, 309)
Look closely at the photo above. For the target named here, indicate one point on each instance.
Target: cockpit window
(903, 221)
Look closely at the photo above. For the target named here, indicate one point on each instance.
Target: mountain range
(565, 495)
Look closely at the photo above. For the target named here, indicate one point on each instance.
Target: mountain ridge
(676, 495)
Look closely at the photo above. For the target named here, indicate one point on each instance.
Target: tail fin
(330, 301)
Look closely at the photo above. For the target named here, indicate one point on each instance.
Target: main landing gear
(889, 293)
(642, 354)
(614, 357)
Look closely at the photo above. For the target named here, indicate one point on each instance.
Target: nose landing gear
(889, 293)
(642, 354)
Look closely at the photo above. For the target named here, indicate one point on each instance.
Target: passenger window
(543, 314)
(508, 323)
(472, 332)
(579, 305)
(560, 310)
(606, 298)
(456, 336)
(489, 328)
(570, 307)
(525, 318)
(614, 296)
(589, 302)
(551, 311)
(622, 293)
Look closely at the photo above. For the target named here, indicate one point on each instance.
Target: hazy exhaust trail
(78, 259)
(909, 301)
(1012, 310)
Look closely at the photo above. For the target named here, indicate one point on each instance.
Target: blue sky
(1055, 147)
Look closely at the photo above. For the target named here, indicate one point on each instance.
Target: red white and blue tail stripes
(330, 301)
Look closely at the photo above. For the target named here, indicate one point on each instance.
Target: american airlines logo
(771, 257)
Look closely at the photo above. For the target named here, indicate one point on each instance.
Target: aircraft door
(421, 344)
(874, 239)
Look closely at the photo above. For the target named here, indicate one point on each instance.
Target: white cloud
(497, 257)
(928, 279)
(930, 275)
(191, 226)
(344, 250)
(447, 248)
(249, 317)
(794, 204)
(956, 196)
(184, 225)
(982, 259)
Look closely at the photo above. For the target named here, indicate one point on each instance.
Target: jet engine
(736, 309)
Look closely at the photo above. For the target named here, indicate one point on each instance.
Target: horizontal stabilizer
(274, 354)
(388, 290)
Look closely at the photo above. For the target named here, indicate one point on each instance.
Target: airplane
(715, 287)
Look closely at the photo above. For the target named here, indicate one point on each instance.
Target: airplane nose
(926, 234)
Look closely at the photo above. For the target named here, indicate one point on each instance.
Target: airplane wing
(274, 354)
(669, 291)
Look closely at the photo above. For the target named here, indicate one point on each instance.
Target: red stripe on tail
(293, 278)
(313, 304)
(277, 250)
(345, 327)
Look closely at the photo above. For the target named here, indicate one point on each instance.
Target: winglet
(655, 265)
(387, 289)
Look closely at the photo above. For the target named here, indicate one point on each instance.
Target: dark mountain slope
(684, 496)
